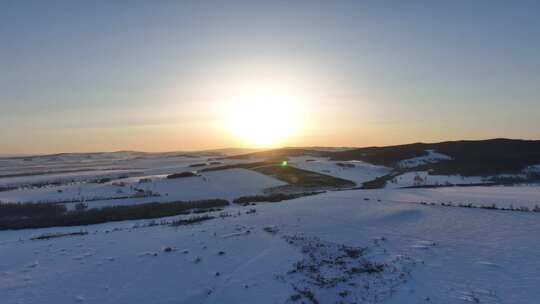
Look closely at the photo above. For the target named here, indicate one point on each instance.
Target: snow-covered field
(354, 246)
(138, 174)
(149, 174)
(227, 184)
(501, 196)
(68, 167)
(431, 255)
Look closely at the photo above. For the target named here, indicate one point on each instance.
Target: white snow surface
(269, 252)
(446, 255)
(225, 184)
(431, 157)
(81, 167)
(70, 178)
(423, 178)
(501, 196)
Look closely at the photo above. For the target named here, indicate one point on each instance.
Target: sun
(263, 119)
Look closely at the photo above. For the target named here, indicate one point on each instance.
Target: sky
(84, 76)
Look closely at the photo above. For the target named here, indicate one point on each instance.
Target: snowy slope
(423, 178)
(226, 184)
(446, 255)
(431, 157)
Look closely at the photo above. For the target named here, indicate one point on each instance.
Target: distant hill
(477, 157)
(280, 153)
(468, 158)
(225, 151)
(133, 154)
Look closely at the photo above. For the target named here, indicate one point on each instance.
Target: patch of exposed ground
(336, 273)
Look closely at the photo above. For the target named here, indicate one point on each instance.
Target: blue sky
(149, 75)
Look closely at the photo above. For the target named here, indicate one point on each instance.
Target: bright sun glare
(263, 119)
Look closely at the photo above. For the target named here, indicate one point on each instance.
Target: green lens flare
(284, 163)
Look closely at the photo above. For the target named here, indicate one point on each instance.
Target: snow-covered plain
(354, 246)
(229, 184)
(480, 196)
(226, 184)
(433, 255)
(137, 173)
(68, 167)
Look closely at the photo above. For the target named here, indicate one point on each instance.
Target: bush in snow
(81, 206)
(272, 198)
(191, 220)
(15, 211)
(180, 175)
